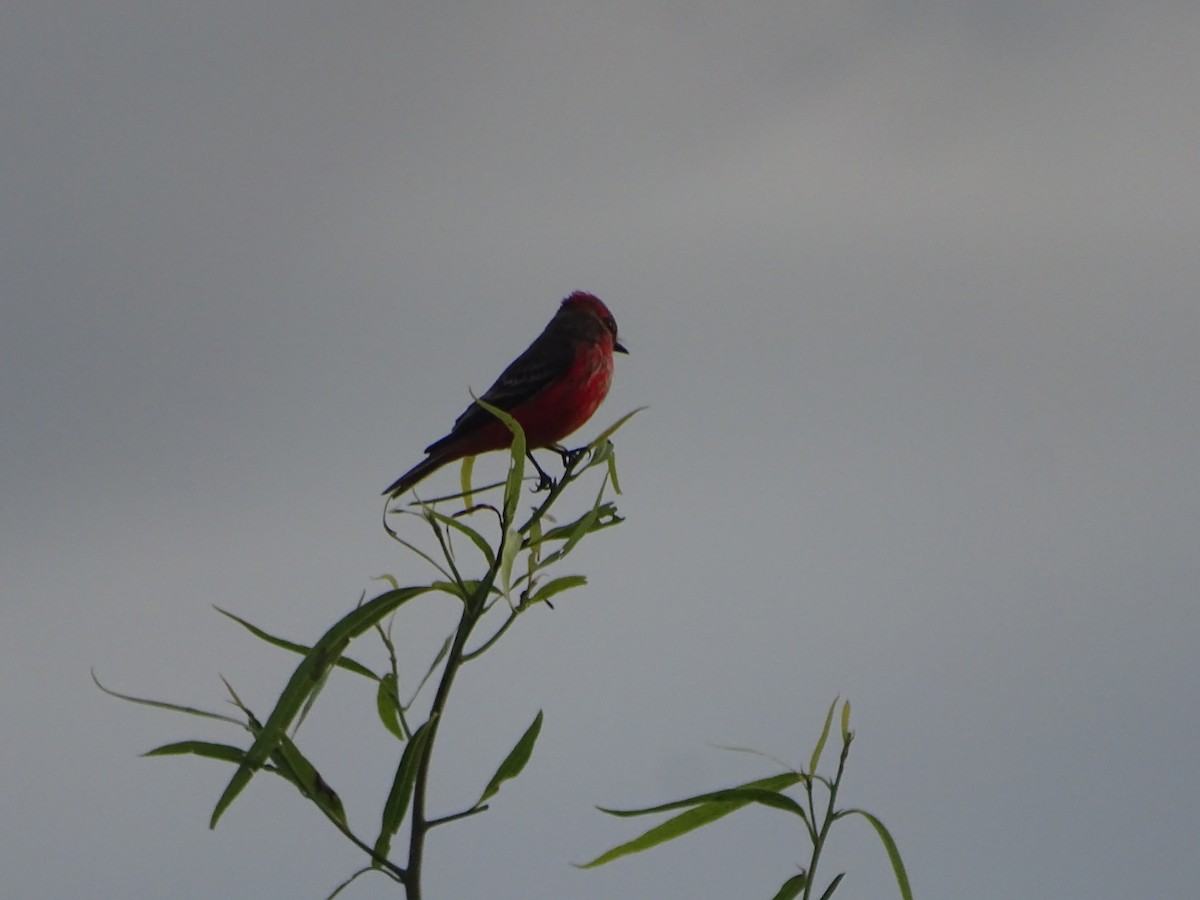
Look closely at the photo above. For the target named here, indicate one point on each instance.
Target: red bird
(551, 390)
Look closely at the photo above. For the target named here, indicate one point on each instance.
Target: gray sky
(910, 289)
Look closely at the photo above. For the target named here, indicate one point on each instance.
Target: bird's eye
(611, 324)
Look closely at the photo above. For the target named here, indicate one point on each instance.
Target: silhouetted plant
(511, 578)
(704, 809)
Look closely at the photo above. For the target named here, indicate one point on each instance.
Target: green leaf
(741, 796)
(162, 704)
(612, 471)
(516, 470)
(305, 679)
(792, 887)
(591, 521)
(607, 514)
(533, 543)
(773, 783)
(418, 551)
(833, 886)
(846, 722)
(464, 479)
(476, 538)
(294, 765)
(515, 761)
(451, 588)
(342, 663)
(396, 807)
(319, 682)
(667, 831)
(706, 808)
(349, 881)
(816, 755)
(290, 765)
(612, 429)
(441, 654)
(387, 703)
(557, 586)
(457, 495)
(582, 528)
(889, 844)
(508, 555)
(206, 749)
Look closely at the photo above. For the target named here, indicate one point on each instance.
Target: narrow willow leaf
(475, 537)
(583, 527)
(449, 587)
(291, 765)
(304, 680)
(457, 495)
(772, 783)
(419, 552)
(516, 475)
(516, 470)
(534, 555)
(390, 579)
(464, 479)
(889, 844)
(612, 429)
(792, 888)
(306, 777)
(441, 654)
(349, 881)
(833, 886)
(612, 472)
(533, 543)
(599, 453)
(669, 830)
(342, 663)
(607, 515)
(320, 679)
(508, 555)
(162, 704)
(557, 586)
(592, 527)
(396, 807)
(387, 703)
(816, 754)
(206, 749)
(589, 522)
(563, 532)
(743, 796)
(515, 761)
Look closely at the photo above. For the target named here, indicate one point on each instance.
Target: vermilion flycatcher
(551, 390)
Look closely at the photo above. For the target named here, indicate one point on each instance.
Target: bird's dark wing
(543, 361)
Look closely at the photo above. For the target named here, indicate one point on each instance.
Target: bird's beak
(619, 347)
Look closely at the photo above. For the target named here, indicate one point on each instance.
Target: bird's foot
(569, 457)
(545, 482)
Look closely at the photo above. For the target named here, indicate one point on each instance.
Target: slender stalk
(819, 843)
(473, 610)
(454, 660)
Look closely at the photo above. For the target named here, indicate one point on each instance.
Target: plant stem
(827, 821)
(473, 610)
(454, 659)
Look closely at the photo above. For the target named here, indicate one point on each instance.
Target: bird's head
(591, 305)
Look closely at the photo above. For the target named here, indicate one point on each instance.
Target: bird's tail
(409, 479)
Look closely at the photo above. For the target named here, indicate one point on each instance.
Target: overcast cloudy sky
(910, 288)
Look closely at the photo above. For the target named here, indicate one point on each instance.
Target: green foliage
(704, 809)
(514, 762)
(492, 582)
(509, 577)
